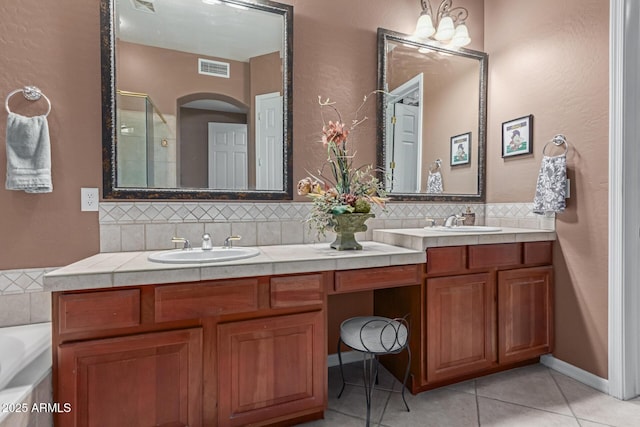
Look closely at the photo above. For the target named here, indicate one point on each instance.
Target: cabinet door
(460, 325)
(270, 368)
(525, 311)
(140, 380)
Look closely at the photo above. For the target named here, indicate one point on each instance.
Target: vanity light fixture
(450, 23)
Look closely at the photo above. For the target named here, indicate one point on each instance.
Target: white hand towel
(28, 154)
(551, 189)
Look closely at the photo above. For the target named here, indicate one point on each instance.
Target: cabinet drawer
(207, 299)
(538, 253)
(292, 291)
(492, 256)
(98, 310)
(374, 278)
(445, 260)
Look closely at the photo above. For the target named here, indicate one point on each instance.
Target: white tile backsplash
(15, 310)
(133, 237)
(248, 231)
(274, 223)
(269, 233)
(158, 236)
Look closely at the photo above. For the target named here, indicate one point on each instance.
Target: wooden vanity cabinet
(270, 368)
(525, 313)
(213, 353)
(461, 325)
(146, 379)
(487, 307)
(481, 309)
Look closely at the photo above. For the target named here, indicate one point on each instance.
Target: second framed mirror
(431, 120)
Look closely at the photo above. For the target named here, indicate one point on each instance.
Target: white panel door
(228, 156)
(406, 152)
(269, 142)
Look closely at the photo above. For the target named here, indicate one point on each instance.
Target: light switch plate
(89, 199)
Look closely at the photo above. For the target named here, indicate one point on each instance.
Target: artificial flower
(346, 189)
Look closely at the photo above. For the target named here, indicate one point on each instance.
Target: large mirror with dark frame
(196, 99)
(431, 120)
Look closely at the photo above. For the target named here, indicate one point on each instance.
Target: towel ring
(557, 140)
(30, 93)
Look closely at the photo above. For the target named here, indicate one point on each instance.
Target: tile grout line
(569, 404)
(531, 407)
(563, 395)
(475, 392)
(355, 417)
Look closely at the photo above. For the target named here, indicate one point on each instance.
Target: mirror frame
(110, 190)
(385, 35)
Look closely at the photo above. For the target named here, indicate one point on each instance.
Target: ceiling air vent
(213, 68)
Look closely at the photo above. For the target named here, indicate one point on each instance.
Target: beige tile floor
(533, 396)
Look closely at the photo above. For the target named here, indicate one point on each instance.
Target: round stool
(374, 336)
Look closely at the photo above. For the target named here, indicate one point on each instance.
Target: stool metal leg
(406, 376)
(341, 370)
(370, 373)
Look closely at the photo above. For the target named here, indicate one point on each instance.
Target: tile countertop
(423, 238)
(107, 270)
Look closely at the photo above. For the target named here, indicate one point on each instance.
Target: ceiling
(212, 28)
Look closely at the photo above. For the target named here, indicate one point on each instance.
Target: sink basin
(197, 255)
(465, 229)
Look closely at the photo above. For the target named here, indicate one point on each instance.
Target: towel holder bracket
(558, 140)
(31, 93)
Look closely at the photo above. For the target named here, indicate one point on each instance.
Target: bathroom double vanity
(245, 342)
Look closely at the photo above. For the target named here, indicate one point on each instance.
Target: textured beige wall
(549, 58)
(53, 45)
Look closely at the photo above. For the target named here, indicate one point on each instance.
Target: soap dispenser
(469, 217)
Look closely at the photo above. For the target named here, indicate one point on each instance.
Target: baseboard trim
(576, 373)
(347, 357)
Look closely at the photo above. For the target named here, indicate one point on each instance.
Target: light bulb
(445, 29)
(424, 27)
(461, 36)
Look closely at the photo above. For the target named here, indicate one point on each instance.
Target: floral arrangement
(345, 189)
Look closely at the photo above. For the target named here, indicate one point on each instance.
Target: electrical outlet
(89, 199)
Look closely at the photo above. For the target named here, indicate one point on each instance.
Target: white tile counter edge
(133, 268)
(423, 238)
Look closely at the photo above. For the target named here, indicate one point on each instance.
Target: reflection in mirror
(432, 119)
(197, 99)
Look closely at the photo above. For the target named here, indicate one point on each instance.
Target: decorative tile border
(22, 281)
(517, 215)
(23, 299)
(120, 213)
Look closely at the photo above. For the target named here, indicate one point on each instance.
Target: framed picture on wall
(461, 149)
(517, 136)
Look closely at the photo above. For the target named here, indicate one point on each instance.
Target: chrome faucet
(453, 220)
(206, 242)
(228, 242)
(186, 243)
